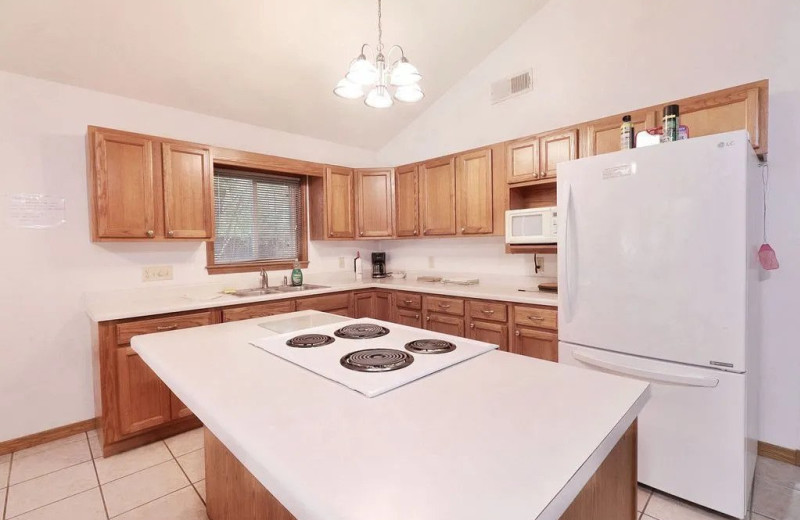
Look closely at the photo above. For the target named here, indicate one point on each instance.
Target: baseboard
(772, 451)
(47, 436)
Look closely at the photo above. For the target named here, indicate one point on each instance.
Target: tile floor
(69, 480)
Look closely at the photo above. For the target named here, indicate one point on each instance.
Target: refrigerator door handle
(568, 278)
(656, 377)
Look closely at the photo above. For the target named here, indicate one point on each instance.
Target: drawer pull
(516, 333)
(427, 318)
(444, 305)
(472, 325)
(408, 302)
(170, 233)
(150, 233)
(416, 316)
(487, 311)
(162, 328)
(535, 318)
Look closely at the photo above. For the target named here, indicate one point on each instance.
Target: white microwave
(532, 226)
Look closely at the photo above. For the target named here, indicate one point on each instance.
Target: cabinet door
(437, 197)
(474, 205)
(382, 306)
(522, 160)
(496, 333)
(144, 401)
(603, 136)
(444, 324)
(557, 148)
(257, 310)
(374, 203)
(179, 410)
(407, 201)
(409, 317)
(535, 343)
(339, 202)
(123, 190)
(188, 191)
(363, 304)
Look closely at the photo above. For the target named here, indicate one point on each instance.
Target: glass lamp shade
(379, 98)
(404, 73)
(409, 93)
(348, 90)
(362, 72)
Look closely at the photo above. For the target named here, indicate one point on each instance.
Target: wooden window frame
(269, 265)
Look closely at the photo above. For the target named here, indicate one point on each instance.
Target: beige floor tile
(4, 470)
(185, 442)
(92, 433)
(775, 501)
(5, 458)
(194, 464)
(94, 446)
(59, 457)
(201, 489)
(83, 506)
(132, 491)
(780, 473)
(180, 505)
(664, 507)
(49, 445)
(50, 488)
(642, 496)
(756, 516)
(124, 464)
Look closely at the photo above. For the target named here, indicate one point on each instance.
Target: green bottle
(297, 274)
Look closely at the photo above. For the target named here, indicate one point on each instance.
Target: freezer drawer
(692, 440)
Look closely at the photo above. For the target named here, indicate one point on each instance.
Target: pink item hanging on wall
(766, 255)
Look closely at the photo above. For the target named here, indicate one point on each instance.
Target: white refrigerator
(658, 280)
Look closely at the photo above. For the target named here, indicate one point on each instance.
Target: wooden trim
(542, 249)
(273, 163)
(48, 435)
(775, 452)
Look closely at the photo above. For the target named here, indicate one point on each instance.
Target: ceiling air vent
(513, 86)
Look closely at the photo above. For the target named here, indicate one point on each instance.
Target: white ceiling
(267, 62)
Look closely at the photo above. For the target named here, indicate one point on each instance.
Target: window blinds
(257, 217)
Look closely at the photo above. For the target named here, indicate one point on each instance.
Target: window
(259, 221)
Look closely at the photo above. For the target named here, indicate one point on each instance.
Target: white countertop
(498, 436)
(116, 305)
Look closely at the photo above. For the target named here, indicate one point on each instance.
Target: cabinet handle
(408, 302)
(416, 316)
(516, 333)
(427, 318)
(488, 311)
(535, 318)
(425, 232)
(415, 232)
(170, 233)
(150, 233)
(162, 328)
(472, 325)
(463, 229)
(330, 233)
(361, 234)
(444, 305)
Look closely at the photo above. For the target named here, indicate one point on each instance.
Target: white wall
(45, 358)
(593, 59)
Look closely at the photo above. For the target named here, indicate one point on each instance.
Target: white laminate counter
(499, 436)
(116, 305)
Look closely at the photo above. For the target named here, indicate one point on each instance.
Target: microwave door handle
(649, 375)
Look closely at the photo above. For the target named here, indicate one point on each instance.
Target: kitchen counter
(116, 305)
(498, 436)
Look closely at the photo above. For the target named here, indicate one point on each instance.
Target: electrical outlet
(341, 262)
(154, 273)
(431, 262)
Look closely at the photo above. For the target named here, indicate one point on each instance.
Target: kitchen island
(497, 436)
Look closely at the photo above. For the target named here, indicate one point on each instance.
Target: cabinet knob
(415, 232)
(170, 233)
(150, 233)
(424, 231)
(427, 318)
(330, 233)
(516, 333)
(472, 325)
(463, 229)
(416, 316)
(361, 234)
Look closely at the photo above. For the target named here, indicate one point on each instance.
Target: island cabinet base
(233, 493)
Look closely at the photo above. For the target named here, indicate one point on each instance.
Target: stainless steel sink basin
(304, 287)
(257, 291)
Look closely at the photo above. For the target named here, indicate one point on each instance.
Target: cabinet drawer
(125, 331)
(409, 301)
(543, 318)
(329, 302)
(490, 311)
(257, 310)
(442, 305)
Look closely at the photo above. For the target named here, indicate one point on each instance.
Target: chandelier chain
(380, 29)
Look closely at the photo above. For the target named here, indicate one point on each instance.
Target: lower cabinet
(257, 310)
(179, 410)
(144, 401)
(489, 332)
(382, 306)
(535, 343)
(340, 303)
(408, 317)
(445, 324)
(362, 304)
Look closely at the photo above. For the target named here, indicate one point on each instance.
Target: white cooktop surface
(325, 360)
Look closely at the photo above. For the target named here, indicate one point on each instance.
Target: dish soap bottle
(297, 274)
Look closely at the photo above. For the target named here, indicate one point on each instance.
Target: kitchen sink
(304, 287)
(257, 291)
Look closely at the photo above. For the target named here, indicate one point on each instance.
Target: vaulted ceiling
(267, 62)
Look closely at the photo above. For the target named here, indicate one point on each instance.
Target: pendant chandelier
(400, 80)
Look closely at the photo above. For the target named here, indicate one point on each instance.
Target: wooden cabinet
(445, 324)
(406, 191)
(535, 343)
(437, 197)
(144, 187)
(444, 314)
(382, 306)
(408, 317)
(332, 205)
(374, 199)
(257, 310)
(556, 148)
(188, 191)
(489, 332)
(362, 304)
(179, 410)
(522, 160)
(339, 303)
(603, 136)
(475, 197)
(408, 309)
(535, 158)
(144, 401)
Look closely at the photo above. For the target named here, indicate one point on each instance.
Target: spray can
(626, 139)
(671, 123)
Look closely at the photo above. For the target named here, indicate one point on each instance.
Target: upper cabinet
(437, 197)
(144, 187)
(522, 160)
(536, 158)
(603, 136)
(557, 148)
(332, 204)
(374, 201)
(406, 191)
(475, 201)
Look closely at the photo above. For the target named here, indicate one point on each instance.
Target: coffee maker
(379, 265)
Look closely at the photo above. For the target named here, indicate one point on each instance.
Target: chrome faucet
(264, 279)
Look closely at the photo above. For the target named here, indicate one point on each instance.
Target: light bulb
(404, 73)
(379, 97)
(409, 93)
(362, 71)
(348, 90)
